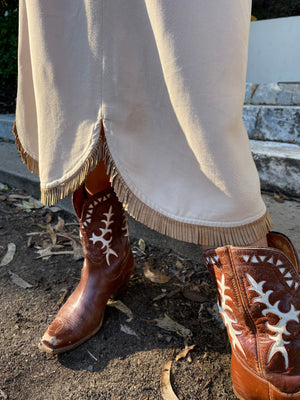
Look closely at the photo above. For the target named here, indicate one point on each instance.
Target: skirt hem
(28, 160)
(192, 233)
(50, 196)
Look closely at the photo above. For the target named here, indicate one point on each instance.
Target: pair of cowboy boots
(258, 294)
(259, 301)
(107, 267)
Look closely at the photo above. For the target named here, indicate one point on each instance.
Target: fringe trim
(192, 233)
(53, 195)
(31, 163)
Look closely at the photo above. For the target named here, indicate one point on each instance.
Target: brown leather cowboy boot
(106, 270)
(259, 300)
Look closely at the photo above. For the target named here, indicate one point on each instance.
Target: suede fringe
(198, 234)
(32, 165)
(53, 195)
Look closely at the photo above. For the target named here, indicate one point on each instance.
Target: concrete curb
(278, 165)
(6, 123)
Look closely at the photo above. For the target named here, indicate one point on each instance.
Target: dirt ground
(114, 364)
(125, 359)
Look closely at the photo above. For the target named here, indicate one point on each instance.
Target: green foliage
(267, 9)
(8, 41)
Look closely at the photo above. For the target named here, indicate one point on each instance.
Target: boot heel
(123, 286)
(246, 385)
(249, 386)
(120, 289)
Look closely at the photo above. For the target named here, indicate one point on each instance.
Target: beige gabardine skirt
(166, 79)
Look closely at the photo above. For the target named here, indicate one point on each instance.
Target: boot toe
(48, 344)
(56, 337)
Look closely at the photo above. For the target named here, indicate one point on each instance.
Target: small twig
(92, 355)
(55, 253)
(60, 301)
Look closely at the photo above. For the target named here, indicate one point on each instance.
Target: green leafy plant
(267, 9)
(8, 41)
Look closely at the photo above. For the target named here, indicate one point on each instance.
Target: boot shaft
(259, 300)
(103, 227)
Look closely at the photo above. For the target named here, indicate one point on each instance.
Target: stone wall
(281, 94)
(272, 118)
(272, 112)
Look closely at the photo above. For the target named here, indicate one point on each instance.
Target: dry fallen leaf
(278, 198)
(165, 382)
(121, 307)
(78, 253)
(179, 264)
(36, 203)
(44, 253)
(29, 241)
(42, 226)
(284, 196)
(35, 233)
(129, 331)
(19, 281)
(31, 204)
(167, 294)
(14, 196)
(155, 276)
(55, 209)
(159, 297)
(142, 244)
(60, 225)
(11, 249)
(184, 353)
(193, 293)
(170, 325)
(3, 396)
(52, 234)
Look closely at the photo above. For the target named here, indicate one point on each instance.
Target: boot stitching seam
(245, 309)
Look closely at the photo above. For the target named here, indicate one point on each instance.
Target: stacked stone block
(272, 118)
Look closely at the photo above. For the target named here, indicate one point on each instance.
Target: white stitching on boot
(280, 328)
(125, 228)
(224, 308)
(104, 231)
